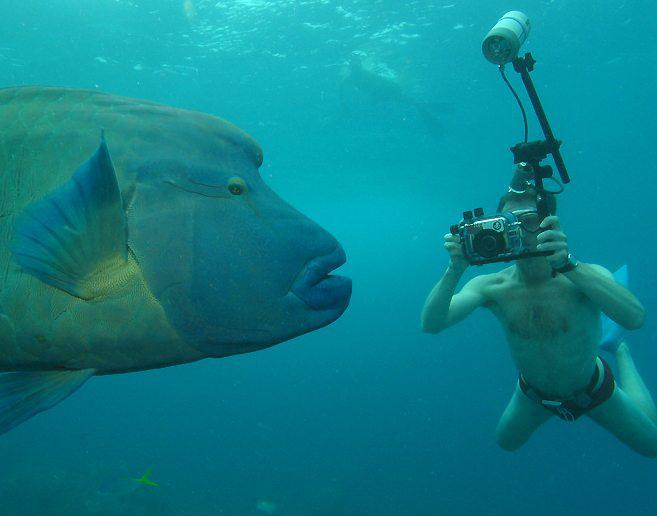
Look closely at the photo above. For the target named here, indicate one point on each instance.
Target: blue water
(368, 415)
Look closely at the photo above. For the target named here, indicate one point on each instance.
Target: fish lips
(320, 290)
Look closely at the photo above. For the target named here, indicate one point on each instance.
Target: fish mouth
(320, 290)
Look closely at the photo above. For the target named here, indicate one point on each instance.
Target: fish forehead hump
(65, 123)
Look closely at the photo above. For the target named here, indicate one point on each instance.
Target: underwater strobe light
(502, 43)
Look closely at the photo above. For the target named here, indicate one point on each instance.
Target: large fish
(136, 236)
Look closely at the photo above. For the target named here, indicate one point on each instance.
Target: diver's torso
(552, 329)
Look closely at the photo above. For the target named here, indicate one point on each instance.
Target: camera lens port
(488, 243)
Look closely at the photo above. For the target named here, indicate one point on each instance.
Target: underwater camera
(496, 238)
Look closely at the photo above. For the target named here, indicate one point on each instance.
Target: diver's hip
(558, 376)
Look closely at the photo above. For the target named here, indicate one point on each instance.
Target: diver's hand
(453, 246)
(553, 239)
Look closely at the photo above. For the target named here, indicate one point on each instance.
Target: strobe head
(502, 43)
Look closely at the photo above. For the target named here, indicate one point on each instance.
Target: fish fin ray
(77, 231)
(25, 394)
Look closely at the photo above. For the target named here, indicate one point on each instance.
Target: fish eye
(236, 185)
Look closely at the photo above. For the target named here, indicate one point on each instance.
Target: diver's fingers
(451, 238)
(551, 235)
(552, 246)
(551, 221)
(453, 247)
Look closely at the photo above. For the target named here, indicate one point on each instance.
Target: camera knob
(467, 216)
(479, 212)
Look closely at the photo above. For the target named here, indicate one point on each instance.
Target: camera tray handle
(534, 152)
(514, 258)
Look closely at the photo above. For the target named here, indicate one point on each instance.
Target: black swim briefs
(581, 402)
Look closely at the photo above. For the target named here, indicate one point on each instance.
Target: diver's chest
(543, 312)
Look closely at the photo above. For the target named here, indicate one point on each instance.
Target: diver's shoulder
(493, 279)
(498, 281)
(498, 277)
(488, 286)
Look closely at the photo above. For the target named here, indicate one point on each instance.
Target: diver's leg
(632, 382)
(623, 417)
(520, 419)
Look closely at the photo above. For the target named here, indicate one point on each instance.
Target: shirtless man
(552, 325)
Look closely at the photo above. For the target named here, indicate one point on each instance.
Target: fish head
(234, 267)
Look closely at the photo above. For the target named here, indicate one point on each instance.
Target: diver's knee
(649, 451)
(646, 446)
(508, 442)
(508, 445)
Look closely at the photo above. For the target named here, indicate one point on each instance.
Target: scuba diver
(549, 306)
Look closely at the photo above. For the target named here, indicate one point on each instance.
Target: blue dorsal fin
(78, 232)
(611, 332)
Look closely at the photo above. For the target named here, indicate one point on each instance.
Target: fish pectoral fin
(25, 394)
(75, 239)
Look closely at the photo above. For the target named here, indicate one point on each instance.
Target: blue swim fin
(23, 395)
(612, 333)
(75, 239)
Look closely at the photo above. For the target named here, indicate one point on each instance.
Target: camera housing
(490, 239)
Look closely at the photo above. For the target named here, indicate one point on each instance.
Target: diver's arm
(596, 282)
(442, 308)
(617, 302)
